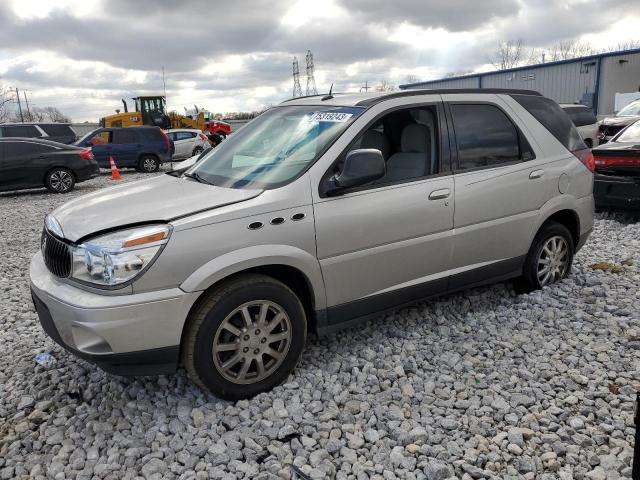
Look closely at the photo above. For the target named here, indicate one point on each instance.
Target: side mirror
(360, 167)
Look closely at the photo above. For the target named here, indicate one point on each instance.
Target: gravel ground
(481, 384)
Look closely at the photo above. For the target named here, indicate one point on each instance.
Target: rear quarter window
(553, 118)
(28, 131)
(57, 130)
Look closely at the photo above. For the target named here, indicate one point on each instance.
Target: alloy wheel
(553, 261)
(61, 180)
(252, 342)
(149, 165)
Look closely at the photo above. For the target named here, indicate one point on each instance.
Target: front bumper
(616, 192)
(130, 334)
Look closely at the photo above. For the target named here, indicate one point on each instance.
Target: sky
(83, 56)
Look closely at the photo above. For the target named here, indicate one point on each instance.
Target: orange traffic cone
(115, 173)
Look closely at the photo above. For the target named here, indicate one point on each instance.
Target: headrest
(415, 139)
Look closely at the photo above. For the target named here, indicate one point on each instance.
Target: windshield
(630, 110)
(86, 137)
(630, 134)
(275, 147)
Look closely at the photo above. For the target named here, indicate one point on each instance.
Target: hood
(161, 198)
(619, 120)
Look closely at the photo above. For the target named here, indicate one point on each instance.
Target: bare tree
(570, 49)
(411, 78)
(6, 104)
(385, 86)
(508, 54)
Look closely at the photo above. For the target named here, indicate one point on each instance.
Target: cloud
(84, 56)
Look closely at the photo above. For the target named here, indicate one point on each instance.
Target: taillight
(586, 157)
(87, 154)
(202, 136)
(166, 139)
(614, 161)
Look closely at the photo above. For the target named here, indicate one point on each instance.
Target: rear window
(580, 116)
(57, 130)
(553, 118)
(153, 134)
(20, 131)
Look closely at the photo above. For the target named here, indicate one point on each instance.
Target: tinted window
(124, 136)
(24, 148)
(29, 131)
(551, 116)
(153, 134)
(172, 136)
(485, 136)
(580, 116)
(184, 135)
(57, 130)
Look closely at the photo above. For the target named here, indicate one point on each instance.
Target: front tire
(550, 257)
(60, 180)
(244, 337)
(148, 164)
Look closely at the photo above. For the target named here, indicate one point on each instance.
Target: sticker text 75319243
(330, 116)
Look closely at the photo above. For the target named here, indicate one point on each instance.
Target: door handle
(536, 174)
(439, 194)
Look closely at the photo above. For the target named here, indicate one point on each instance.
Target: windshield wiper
(197, 177)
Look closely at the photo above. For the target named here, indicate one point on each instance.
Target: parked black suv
(56, 132)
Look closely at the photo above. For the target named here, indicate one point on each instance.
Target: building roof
(519, 69)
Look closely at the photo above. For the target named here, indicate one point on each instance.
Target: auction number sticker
(330, 117)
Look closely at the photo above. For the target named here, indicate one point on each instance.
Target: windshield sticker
(340, 117)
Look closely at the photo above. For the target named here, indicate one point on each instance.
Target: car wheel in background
(244, 337)
(549, 259)
(222, 135)
(215, 139)
(148, 164)
(588, 142)
(197, 151)
(60, 180)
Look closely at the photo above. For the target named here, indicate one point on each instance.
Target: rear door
(125, 147)
(23, 131)
(21, 165)
(183, 144)
(499, 187)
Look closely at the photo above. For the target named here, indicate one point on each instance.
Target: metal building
(591, 81)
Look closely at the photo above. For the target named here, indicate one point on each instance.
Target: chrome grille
(57, 255)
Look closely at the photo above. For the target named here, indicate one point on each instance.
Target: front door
(389, 242)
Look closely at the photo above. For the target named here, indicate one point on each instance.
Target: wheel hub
(553, 261)
(252, 342)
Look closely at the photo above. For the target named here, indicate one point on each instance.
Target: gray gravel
(481, 384)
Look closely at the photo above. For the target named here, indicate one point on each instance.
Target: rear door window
(124, 136)
(486, 137)
(28, 131)
(57, 130)
(184, 135)
(553, 118)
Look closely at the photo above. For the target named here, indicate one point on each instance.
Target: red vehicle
(216, 127)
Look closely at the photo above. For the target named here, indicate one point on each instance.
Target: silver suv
(321, 212)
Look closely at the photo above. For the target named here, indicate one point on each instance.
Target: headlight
(118, 257)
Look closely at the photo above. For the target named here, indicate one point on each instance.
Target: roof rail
(442, 91)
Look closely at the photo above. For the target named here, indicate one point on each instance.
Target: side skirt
(350, 314)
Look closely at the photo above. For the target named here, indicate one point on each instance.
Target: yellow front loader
(151, 111)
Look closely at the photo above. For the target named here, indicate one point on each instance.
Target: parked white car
(187, 142)
(585, 121)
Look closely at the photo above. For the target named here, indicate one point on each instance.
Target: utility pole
(311, 81)
(24, 92)
(164, 88)
(366, 86)
(297, 89)
(19, 105)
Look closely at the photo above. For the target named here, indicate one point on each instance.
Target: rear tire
(197, 151)
(244, 337)
(148, 164)
(549, 259)
(60, 180)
